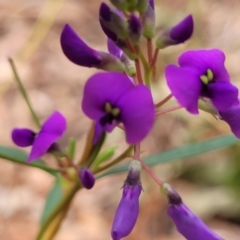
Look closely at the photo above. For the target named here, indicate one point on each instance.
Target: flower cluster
(121, 96)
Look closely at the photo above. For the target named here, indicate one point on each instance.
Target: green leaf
(18, 156)
(180, 153)
(54, 196)
(104, 156)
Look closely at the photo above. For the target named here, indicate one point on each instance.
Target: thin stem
(145, 166)
(138, 66)
(168, 110)
(154, 60)
(125, 154)
(23, 91)
(149, 50)
(135, 79)
(129, 45)
(161, 103)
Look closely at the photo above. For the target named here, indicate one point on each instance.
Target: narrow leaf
(104, 156)
(180, 153)
(52, 200)
(18, 156)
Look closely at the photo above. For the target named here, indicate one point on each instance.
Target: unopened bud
(135, 29)
(142, 6)
(113, 21)
(129, 65)
(128, 208)
(187, 223)
(148, 22)
(120, 4)
(87, 178)
(177, 34)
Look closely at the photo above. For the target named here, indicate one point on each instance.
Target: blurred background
(209, 184)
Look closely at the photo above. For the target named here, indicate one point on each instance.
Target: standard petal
(76, 50)
(56, 124)
(185, 86)
(232, 117)
(23, 137)
(113, 48)
(102, 88)
(137, 113)
(41, 145)
(223, 95)
(206, 59)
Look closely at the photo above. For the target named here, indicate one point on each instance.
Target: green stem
(24, 93)
(147, 69)
(48, 230)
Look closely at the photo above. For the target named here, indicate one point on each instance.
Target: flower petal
(23, 137)
(185, 86)
(102, 88)
(190, 225)
(137, 113)
(223, 95)
(41, 145)
(183, 30)
(113, 48)
(52, 129)
(232, 117)
(206, 59)
(76, 50)
(56, 124)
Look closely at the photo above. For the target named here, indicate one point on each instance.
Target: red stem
(161, 103)
(168, 110)
(149, 50)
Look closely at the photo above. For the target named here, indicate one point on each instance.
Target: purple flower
(128, 208)
(176, 34)
(201, 74)
(87, 178)
(51, 130)
(111, 98)
(78, 52)
(232, 117)
(187, 223)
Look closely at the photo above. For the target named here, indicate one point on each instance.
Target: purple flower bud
(128, 208)
(148, 21)
(151, 2)
(113, 21)
(81, 54)
(87, 178)
(76, 50)
(232, 117)
(177, 34)
(187, 223)
(135, 29)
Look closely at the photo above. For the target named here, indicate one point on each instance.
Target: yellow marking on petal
(210, 75)
(204, 79)
(108, 107)
(115, 112)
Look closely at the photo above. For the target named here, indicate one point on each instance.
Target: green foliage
(104, 156)
(18, 156)
(52, 200)
(180, 153)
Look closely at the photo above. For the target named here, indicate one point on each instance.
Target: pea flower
(232, 117)
(176, 34)
(128, 208)
(87, 178)
(43, 141)
(111, 98)
(78, 52)
(201, 74)
(187, 223)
